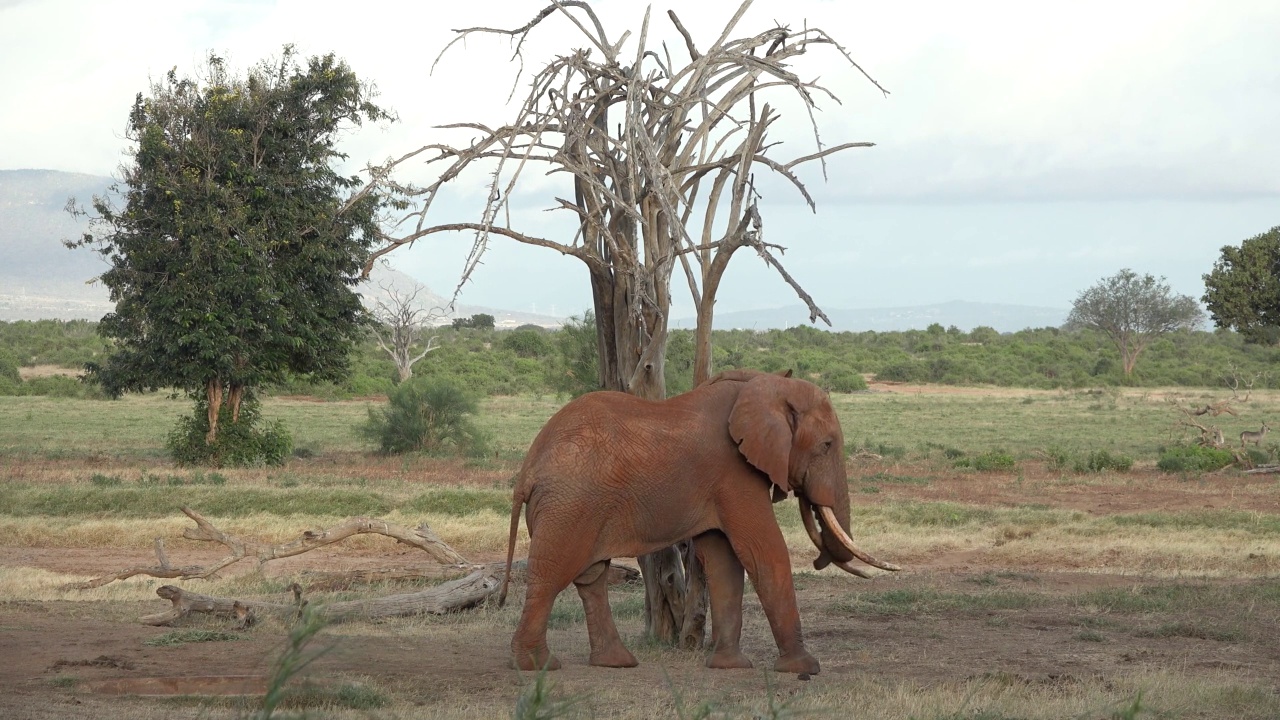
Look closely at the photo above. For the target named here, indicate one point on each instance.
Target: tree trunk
(632, 353)
(213, 393)
(233, 398)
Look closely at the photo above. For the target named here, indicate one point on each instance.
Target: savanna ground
(1040, 591)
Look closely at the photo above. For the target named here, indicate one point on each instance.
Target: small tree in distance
(402, 319)
(1133, 311)
(479, 321)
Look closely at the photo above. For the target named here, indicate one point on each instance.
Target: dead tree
(403, 319)
(662, 154)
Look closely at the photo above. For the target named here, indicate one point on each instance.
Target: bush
(238, 444)
(525, 342)
(990, 461)
(9, 367)
(1194, 458)
(1102, 460)
(429, 415)
(844, 381)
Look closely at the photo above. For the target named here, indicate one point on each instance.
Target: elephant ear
(761, 422)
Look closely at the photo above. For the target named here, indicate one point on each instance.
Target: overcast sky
(1027, 149)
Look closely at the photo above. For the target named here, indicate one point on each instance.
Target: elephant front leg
(529, 644)
(724, 584)
(763, 552)
(607, 649)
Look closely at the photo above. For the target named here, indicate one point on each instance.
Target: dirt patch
(929, 628)
(42, 371)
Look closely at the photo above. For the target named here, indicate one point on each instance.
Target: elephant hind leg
(529, 644)
(725, 584)
(607, 649)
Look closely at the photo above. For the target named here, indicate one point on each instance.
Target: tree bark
(213, 393)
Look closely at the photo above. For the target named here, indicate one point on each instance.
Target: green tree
(1133, 311)
(479, 321)
(575, 369)
(233, 258)
(1243, 290)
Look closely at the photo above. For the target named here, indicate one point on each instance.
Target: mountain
(962, 314)
(42, 279)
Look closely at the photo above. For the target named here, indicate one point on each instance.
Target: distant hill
(42, 279)
(962, 314)
(39, 277)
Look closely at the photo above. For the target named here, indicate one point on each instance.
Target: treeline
(562, 362)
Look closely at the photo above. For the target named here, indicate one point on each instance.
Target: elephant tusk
(811, 527)
(834, 526)
(851, 569)
(806, 517)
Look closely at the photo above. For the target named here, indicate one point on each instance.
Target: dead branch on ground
(437, 600)
(422, 537)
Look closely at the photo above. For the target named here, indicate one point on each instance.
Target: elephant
(613, 475)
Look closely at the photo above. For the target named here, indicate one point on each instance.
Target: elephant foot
(728, 660)
(533, 660)
(615, 657)
(797, 662)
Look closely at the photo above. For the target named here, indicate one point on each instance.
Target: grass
(894, 424)
(182, 637)
(915, 601)
(1191, 629)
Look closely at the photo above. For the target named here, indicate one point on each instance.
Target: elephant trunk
(833, 541)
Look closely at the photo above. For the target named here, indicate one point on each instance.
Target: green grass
(1135, 427)
(460, 501)
(964, 426)
(135, 426)
(21, 500)
(182, 637)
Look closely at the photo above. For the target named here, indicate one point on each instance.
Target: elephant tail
(517, 503)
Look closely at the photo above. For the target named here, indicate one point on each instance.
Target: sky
(1025, 151)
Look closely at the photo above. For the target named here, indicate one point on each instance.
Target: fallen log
(448, 597)
(317, 581)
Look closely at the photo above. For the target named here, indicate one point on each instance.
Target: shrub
(527, 342)
(1194, 458)
(990, 461)
(1102, 460)
(9, 367)
(430, 415)
(59, 386)
(844, 381)
(238, 444)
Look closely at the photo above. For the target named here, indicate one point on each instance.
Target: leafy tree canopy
(235, 252)
(479, 321)
(1243, 290)
(1133, 310)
